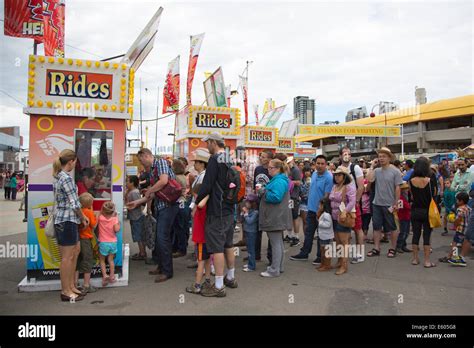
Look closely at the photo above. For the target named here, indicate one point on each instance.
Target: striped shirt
(67, 200)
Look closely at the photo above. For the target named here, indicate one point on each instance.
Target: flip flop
(137, 257)
(431, 265)
(415, 262)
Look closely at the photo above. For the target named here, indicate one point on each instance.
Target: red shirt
(198, 225)
(404, 214)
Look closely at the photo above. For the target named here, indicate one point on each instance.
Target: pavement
(378, 286)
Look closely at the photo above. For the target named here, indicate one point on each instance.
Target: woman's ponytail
(64, 157)
(56, 167)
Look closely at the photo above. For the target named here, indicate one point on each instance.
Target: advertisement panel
(342, 130)
(204, 120)
(261, 137)
(286, 145)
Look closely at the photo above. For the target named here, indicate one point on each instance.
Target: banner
(244, 86)
(53, 16)
(255, 110)
(272, 116)
(196, 42)
(228, 90)
(171, 89)
(219, 87)
(24, 18)
(359, 131)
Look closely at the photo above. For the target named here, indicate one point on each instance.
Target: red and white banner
(196, 42)
(54, 17)
(171, 89)
(244, 86)
(24, 18)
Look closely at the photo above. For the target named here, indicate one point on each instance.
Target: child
(203, 258)
(366, 213)
(404, 215)
(449, 201)
(462, 217)
(325, 232)
(85, 261)
(250, 227)
(136, 217)
(109, 225)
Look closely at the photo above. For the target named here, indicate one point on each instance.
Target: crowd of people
(333, 202)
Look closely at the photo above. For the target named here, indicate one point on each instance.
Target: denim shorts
(383, 219)
(67, 233)
(107, 248)
(325, 241)
(339, 228)
(137, 229)
(458, 238)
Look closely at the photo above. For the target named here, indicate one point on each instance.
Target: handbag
(49, 228)
(434, 216)
(349, 220)
(170, 192)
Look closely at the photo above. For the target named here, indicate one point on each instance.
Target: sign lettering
(256, 135)
(78, 85)
(207, 120)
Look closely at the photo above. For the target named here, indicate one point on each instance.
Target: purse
(171, 192)
(349, 220)
(49, 228)
(434, 216)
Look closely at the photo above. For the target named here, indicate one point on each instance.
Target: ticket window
(93, 172)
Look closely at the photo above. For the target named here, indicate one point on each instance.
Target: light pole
(174, 142)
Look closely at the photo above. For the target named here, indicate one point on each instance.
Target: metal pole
(141, 129)
(403, 145)
(156, 124)
(35, 48)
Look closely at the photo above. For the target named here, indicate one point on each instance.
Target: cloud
(343, 54)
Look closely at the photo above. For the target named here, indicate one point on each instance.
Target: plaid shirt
(67, 200)
(160, 167)
(462, 217)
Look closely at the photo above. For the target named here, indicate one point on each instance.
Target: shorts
(458, 238)
(85, 260)
(358, 219)
(366, 221)
(303, 207)
(383, 219)
(137, 229)
(219, 233)
(107, 248)
(295, 211)
(339, 228)
(201, 252)
(67, 233)
(325, 241)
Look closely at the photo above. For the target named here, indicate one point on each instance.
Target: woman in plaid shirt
(67, 217)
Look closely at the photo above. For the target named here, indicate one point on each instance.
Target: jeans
(251, 238)
(311, 226)
(13, 189)
(181, 229)
(7, 192)
(404, 231)
(162, 254)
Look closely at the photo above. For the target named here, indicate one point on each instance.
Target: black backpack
(230, 192)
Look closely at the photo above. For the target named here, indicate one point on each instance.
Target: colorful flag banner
(24, 18)
(244, 86)
(255, 110)
(219, 87)
(228, 94)
(54, 19)
(196, 42)
(171, 89)
(271, 117)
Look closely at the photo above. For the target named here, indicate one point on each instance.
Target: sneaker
(247, 269)
(212, 291)
(206, 284)
(287, 239)
(445, 233)
(400, 251)
(317, 261)
(266, 274)
(299, 257)
(357, 259)
(295, 242)
(193, 289)
(230, 283)
(90, 289)
(178, 254)
(457, 261)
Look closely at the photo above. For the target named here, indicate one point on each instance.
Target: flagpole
(156, 124)
(141, 128)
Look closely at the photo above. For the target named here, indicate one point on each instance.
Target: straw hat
(404, 185)
(343, 170)
(202, 155)
(386, 151)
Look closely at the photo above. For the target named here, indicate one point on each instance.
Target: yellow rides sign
(350, 131)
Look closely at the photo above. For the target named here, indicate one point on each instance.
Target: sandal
(430, 265)
(373, 252)
(391, 253)
(444, 259)
(415, 262)
(105, 281)
(138, 257)
(369, 241)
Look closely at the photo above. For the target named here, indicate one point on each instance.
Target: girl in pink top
(108, 226)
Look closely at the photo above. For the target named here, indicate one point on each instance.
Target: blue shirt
(320, 185)
(407, 176)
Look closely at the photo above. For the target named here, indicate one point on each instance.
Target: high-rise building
(304, 109)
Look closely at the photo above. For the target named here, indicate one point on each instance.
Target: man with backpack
(222, 184)
(358, 180)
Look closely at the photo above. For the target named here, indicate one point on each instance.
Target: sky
(344, 54)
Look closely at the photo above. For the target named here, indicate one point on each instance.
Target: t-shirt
(462, 217)
(386, 179)
(199, 222)
(106, 229)
(134, 214)
(86, 233)
(320, 185)
(358, 173)
(261, 176)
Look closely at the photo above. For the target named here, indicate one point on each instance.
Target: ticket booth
(195, 122)
(84, 106)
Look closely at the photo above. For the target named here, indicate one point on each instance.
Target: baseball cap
(213, 136)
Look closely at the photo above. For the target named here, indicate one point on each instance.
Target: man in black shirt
(219, 228)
